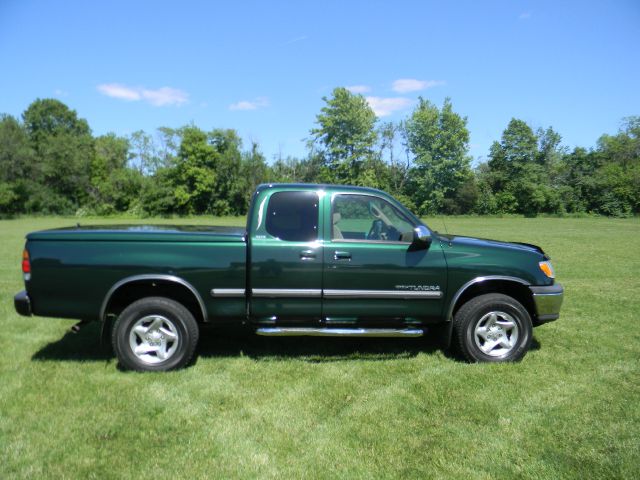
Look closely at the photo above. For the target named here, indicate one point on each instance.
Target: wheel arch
(130, 289)
(511, 286)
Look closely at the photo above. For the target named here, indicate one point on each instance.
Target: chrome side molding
(228, 292)
(382, 294)
(339, 332)
(286, 292)
(318, 293)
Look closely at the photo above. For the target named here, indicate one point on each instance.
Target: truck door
(372, 274)
(286, 258)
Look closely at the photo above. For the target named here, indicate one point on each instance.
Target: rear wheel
(155, 334)
(493, 328)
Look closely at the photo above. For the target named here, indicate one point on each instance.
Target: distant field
(255, 407)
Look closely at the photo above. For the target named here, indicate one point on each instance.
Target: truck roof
(337, 188)
(320, 186)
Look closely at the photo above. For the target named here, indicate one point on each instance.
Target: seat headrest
(336, 217)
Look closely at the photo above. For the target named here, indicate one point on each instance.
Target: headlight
(547, 269)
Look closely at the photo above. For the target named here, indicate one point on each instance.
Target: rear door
(286, 258)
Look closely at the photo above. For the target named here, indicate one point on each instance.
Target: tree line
(51, 163)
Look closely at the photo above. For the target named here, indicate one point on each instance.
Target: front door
(373, 274)
(286, 259)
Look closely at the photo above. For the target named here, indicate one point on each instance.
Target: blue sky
(262, 68)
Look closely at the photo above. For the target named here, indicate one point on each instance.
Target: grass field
(254, 407)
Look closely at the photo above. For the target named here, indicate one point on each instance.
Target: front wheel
(493, 328)
(155, 334)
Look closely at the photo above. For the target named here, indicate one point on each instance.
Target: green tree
(519, 170)
(439, 142)
(616, 183)
(624, 147)
(16, 166)
(8, 198)
(169, 142)
(64, 149)
(206, 173)
(286, 170)
(550, 149)
(253, 171)
(114, 186)
(195, 173)
(507, 158)
(345, 137)
(144, 153)
(576, 177)
(157, 196)
(230, 189)
(148, 153)
(486, 202)
(397, 171)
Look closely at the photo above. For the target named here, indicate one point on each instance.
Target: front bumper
(548, 301)
(22, 302)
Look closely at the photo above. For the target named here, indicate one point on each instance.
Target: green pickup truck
(315, 260)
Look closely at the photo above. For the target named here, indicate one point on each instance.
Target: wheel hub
(496, 333)
(154, 339)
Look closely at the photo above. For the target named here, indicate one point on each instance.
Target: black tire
(165, 335)
(492, 328)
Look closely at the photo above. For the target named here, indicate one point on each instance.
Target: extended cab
(315, 260)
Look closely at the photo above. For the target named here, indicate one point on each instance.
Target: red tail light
(26, 264)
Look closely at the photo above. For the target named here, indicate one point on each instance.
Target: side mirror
(421, 236)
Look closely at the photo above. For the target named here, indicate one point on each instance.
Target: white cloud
(115, 90)
(159, 97)
(524, 16)
(386, 106)
(165, 96)
(405, 85)
(60, 93)
(259, 102)
(294, 40)
(359, 88)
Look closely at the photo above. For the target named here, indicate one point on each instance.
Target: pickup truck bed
(143, 233)
(78, 267)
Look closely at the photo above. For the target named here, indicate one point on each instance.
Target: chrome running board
(338, 332)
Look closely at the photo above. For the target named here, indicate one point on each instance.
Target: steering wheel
(393, 234)
(377, 231)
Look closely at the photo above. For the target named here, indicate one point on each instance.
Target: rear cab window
(293, 216)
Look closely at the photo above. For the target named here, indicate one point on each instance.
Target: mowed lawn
(253, 407)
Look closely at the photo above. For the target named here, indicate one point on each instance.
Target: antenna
(445, 225)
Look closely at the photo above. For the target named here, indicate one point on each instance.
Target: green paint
(74, 269)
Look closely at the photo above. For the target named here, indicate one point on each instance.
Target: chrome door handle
(338, 255)
(307, 255)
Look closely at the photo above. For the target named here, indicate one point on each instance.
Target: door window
(293, 216)
(368, 218)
